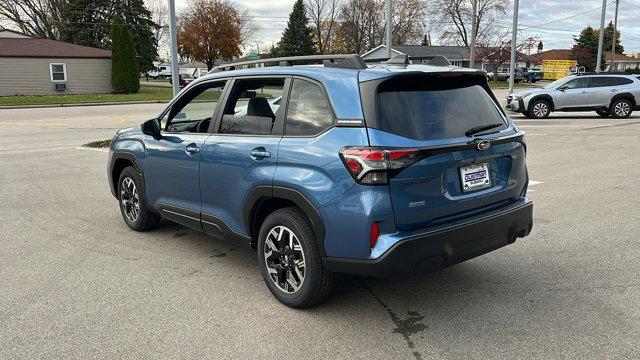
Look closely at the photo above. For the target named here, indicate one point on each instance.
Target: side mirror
(152, 128)
(563, 88)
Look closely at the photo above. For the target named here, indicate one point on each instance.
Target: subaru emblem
(483, 145)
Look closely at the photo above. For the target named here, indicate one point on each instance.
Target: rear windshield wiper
(481, 128)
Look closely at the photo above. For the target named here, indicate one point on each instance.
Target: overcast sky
(271, 16)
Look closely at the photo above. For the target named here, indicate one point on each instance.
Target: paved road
(76, 282)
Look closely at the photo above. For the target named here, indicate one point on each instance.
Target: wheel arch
(625, 95)
(545, 97)
(263, 200)
(119, 161)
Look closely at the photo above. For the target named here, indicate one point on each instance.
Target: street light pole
(601, 40)
(474, 30)
(389, 27)
(613, 42)
(175, 77)
(514, 37)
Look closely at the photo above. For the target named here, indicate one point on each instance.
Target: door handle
(192, 149)
(260, 153)
(584, 91)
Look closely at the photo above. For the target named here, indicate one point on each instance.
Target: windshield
(555, 83)
(435, 108)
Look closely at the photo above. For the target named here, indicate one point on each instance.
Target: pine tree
(124, 69)
(296, 39)
(608, 38)
(585, 49)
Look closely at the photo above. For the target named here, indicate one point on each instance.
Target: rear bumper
(445, 245)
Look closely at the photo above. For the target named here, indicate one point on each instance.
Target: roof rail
(344, 61)
(604, 73)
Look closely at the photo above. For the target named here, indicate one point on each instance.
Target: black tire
(539, 109)
(621, 108)
(317, 283)
(145, 219)
(603, 112)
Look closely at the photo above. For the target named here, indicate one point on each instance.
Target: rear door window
(432, 108)
(603, 81)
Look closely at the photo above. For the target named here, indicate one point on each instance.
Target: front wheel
(290, 259)
(133, 203)
(539, 109)
(621, 108)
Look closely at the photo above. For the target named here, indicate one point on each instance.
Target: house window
(58, 72)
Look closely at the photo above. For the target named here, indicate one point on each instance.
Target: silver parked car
(608, 94)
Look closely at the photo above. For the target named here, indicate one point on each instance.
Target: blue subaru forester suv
(383, 170)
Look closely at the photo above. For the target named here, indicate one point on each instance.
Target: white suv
(605, 93)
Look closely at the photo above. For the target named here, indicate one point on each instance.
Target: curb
(35, 106)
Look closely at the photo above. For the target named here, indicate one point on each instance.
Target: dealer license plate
(475, 177)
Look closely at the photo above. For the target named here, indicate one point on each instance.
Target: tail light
(374, 165)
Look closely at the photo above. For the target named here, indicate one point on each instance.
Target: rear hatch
(460, 155)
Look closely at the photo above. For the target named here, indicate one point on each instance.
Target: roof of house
(620, 58)
(46, 48)
(554, 54)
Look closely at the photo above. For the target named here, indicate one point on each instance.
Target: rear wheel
(603, 112)
(290, 259)
(539, 109)
(621, 108)
(133, 204)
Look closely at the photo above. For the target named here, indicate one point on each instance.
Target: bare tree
(454, 18)
(38, 18)
(363, 23)
(160, 16)
(322, 15)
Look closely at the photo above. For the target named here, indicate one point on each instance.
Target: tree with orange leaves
(210, 30)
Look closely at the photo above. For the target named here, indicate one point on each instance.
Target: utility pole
(472, 55)
(175, 77)
(613, 42)
(601, 40)
(389, 27)
(514, 37)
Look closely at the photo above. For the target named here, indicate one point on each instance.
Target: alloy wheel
(129, 199)
(284, 259)
(540, 109)
(622, 109)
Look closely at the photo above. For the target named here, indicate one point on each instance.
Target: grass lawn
(505, 85)
(147, 93)
(98, 144)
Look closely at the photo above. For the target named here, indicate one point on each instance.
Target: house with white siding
(31, 66)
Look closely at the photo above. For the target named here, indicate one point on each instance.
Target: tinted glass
(603, 81)
(623, 81)
(58, 76)
(308, 112)
(579, 83)
(252, 107)
(435, 109)
(193, 111)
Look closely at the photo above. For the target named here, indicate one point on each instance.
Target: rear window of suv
(428, 108)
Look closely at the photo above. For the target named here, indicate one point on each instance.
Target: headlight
(522, 96)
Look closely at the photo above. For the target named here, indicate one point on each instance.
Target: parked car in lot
(504, 73)
(608, 94)
(388, 170)
(531, 75)
(184, 80)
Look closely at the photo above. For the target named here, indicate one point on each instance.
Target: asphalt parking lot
(77, 283)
